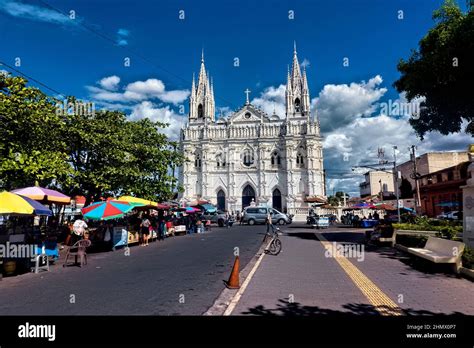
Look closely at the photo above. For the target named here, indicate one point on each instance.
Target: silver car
(258, 215)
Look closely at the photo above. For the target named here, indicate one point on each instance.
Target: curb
(466, 272)
(227, 295)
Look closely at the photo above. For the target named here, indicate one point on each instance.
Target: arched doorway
(221, 200)
(248, 193)
(276, 200)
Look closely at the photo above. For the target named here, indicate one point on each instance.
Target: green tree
(442, 71)
(113, 156)
(32, 145)
(95, 154)
(337, 199)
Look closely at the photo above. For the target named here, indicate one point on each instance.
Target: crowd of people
(355, 220)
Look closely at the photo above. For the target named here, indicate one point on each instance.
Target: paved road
(151, 281)
(302, 280)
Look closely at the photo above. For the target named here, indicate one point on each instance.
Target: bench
(439, 250)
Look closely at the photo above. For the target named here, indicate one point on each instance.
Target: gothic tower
(297, 91)
(201, 101)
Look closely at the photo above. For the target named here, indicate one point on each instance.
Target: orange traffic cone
(233, 282)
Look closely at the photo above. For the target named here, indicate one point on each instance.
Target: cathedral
(250, 156)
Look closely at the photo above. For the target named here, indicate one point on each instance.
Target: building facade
(377, 182)
(441, 191)
(431, 162)
(274, 160)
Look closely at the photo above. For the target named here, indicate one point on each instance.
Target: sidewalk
(301, 280)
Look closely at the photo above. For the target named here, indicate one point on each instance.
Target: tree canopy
(442, 71)
(96, 154)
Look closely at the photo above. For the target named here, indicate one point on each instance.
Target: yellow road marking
(381, 302)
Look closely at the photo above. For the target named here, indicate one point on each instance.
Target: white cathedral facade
(274, 160)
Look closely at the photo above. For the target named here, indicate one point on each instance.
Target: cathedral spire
(202, 104)
(193, 88)
(297, 92)
(296, 73)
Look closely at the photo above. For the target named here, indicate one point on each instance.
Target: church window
(297, 105)
(220, 161)
(200, 111)
(247, 115)
(197, 161)
(299, 160)
(275, 160)
(247, 157)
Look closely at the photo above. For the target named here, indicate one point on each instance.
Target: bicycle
(274, 247)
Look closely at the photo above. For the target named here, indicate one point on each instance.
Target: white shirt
(79, 227)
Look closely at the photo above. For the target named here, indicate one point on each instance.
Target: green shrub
(468, 258)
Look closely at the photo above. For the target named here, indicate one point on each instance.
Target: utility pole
(381, 190)
(395, 177)
(415, 176)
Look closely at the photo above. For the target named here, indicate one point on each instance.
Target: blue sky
(68, 57)
(165, 50)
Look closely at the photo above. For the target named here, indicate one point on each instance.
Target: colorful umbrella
(208, 208)
(143, 202)
(364, 205)
(384, 206)
(198, 202)
(12, 204)
(43, 195)
(192, 210)
(107, 210)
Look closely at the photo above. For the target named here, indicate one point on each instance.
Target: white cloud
(110, 83)
(338, 105)
(272, 98)
(122, 34)
(305, 63)
(136, 91)
(147, 109)
(33, 12)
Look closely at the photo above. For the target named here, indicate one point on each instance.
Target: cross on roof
(247, 92)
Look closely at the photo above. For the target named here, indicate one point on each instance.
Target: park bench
(439, 250)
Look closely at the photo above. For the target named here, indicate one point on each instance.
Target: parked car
(452, 215)
(217, 217)
(258, 215)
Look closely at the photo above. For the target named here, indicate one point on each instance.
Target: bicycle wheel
(275, 246)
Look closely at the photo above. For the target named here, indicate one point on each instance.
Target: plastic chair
(78, 249)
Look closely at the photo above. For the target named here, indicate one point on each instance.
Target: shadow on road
(284, 308)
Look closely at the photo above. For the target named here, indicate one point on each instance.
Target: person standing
(268, 221)
(145, 227)
(227, 218)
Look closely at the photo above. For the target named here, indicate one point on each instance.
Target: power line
(33, 79)
(113, 42)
